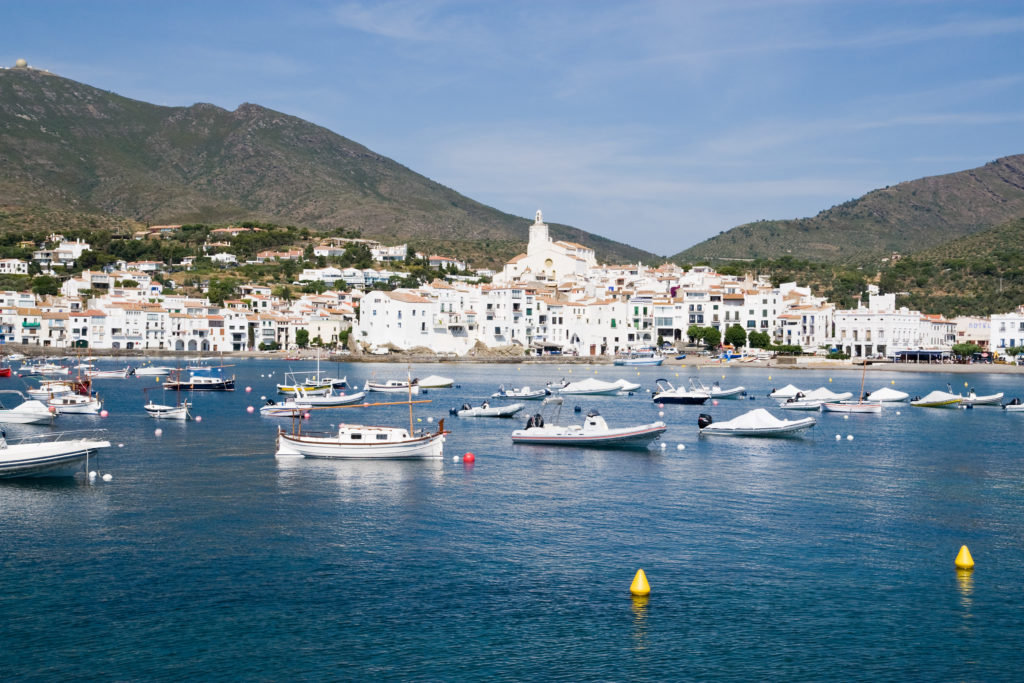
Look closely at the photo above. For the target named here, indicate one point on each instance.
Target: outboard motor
(529, 423)
(771, 392)
(703, 420)
(453, 411)
(538, 420)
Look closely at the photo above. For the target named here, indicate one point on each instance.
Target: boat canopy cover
(788, 391)
(824, 394)
(590, 384)
(755, 419)
(887, 394)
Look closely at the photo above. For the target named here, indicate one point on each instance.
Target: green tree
(221, 289)
(302, 338)
(693, 332)
(759, 340)
(966, 350)
(711, 336)
(46, 285)
(736, 336)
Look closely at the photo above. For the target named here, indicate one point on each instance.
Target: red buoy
(468, 457)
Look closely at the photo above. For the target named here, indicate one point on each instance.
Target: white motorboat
(594, 432)
(522, 393)
(436, 382)
(30, 411)
(590, 387)
(393, 386)
(49, 455)
(1014, 406)
(487, 410)
(715, 391)
(758, 422)
(850, 406)
(48, 389)
(800, 402)
(123, 373)
(288, 408)
(153, 371)
(972, 399)
(666, 393)
(627, 386)
(887, 395)
(332, 399)
(362, 442)
(76, 404)
(164, 412)
(938, 399)
(788, 391)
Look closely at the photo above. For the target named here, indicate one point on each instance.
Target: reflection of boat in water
(594, 432)
(758, 422)
(487, 410)
(49, 455)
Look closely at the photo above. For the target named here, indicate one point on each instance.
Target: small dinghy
(522, 393)
(758, 422)
(593, 433)
(937, 399)
(627, 386)
(887, 395)
(436, 382)
(732, 392)
(852, 407)
(590, 387)
(823, 394)
(801, 402)
(487, 410)
(972, 399)
(1014, 406)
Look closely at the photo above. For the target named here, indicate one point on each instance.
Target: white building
(546, 260)
(13, 266)
(1007, 331)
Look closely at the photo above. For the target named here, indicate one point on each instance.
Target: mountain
(70, 147)
(902, 219)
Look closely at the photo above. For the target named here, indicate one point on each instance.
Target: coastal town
(555, 299)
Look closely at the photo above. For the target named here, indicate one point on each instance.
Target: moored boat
(436, 382)
(522, 393)
(49, 455)
(1014, 406)
(201, 379)
(887, 395)
(849, 406)
(645, 355)
(666, 393)
(485, 409)
(76, 404)
(937, 399)
(393, 386)
(788, 391)
(801, 402)
(590, 387)
(29, 411)
(594, 432)
(758, 422)
(363, 442)
(972, 399)
(165, 412)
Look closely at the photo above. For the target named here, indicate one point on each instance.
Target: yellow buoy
(963, 559)
(640, 585)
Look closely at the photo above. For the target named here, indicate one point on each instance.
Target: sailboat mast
(408, 380)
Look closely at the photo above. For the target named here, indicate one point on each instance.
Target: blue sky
(655, 123)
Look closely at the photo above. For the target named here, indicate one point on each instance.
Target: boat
(823, 394)
(363, 442)
(487, 410)
(887, 395)
(522, 393)
(165, 412)
(849, 406)
(327, 400)
(123, 373)
(757, 422)
(436, 382)
(48, 389)
(666, 393)
(972, 399)
(48, 455)
(29, 411)
(153, 371)
(715, 391)
(5, 371)
(306, 382)
(393, 386)
(1014, 406)
(287, 408)
(788, 391)
(937, 399)
(76, 404)
(644, 355)
(594, 432)
(203, 378)
(801, 402)
(627, 386)
(590, 387)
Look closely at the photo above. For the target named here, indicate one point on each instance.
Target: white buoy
(663, 446)
(430, 419)
(263, 398)
(846, 417)
(849, 437)
(455, 458)
(839, 437)
(108, 476)
(120, 445)
(897, 412)
(661, 413)
(681, 447)
(158, 431)
(199, 418)
(92, 475)
(248, 389)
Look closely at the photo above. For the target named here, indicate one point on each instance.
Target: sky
(658, 124)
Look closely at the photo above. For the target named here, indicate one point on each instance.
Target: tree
(736, 336)
(759, 340)
(302, 338)
(46, 285)
(693, 332)
(711, 336)
(966, 350)
(221, 289)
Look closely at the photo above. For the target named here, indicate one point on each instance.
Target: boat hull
(47, 459)
(640, 436)
(681, 400)
(852, 407)
(792, 429)
(639, 361)
(493, 411)
(162, 412)
(219, 385)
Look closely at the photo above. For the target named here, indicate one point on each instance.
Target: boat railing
(69, 435)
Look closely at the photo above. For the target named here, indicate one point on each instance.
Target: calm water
(805, 558)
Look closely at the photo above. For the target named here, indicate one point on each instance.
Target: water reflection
(640, 621)
(379, 480)
(965, 584)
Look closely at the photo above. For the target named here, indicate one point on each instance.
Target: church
(547, 261)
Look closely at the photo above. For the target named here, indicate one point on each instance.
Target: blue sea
(815, 558)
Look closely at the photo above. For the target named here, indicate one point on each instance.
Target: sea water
(805, 558)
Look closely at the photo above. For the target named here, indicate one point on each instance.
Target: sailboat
(179, 411)
(851, 406)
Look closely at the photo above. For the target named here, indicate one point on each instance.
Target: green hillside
(903, 219)
(70, 147)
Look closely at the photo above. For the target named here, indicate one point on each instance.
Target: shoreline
(807, 364)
